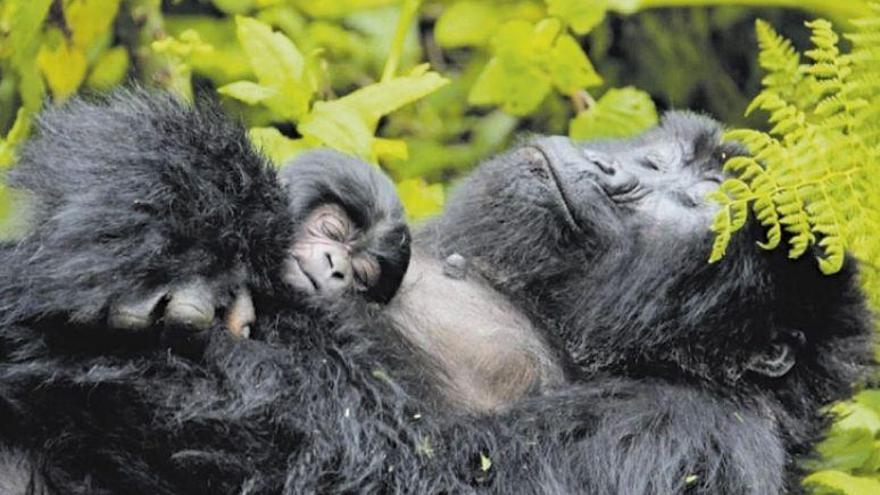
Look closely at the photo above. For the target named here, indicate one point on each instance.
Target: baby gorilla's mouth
(298, 277)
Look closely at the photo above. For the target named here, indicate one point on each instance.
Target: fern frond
(814, 178)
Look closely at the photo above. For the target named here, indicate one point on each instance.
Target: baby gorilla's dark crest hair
(368, 198)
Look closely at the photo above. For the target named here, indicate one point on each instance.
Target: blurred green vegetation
(426, 89)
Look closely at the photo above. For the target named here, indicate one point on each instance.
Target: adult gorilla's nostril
(604, 163)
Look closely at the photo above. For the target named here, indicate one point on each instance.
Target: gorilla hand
(191, 305)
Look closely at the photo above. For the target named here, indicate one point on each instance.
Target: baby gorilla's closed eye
(323, 254)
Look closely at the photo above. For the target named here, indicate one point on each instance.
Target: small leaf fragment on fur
(485, 463)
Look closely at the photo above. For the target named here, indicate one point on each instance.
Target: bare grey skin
(489, 353)
(325, 262)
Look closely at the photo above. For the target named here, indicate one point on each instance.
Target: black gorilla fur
(660, 403)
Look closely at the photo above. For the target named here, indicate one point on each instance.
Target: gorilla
(557, 329)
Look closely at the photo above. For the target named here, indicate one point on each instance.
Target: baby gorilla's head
(351, 235)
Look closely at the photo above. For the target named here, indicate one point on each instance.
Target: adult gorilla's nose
(575, 167)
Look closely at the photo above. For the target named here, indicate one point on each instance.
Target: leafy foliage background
(427, 88)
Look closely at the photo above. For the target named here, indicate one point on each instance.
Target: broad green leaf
(390, 149)
(854, 415)
(420, 199)
(846, 449)
(109, 70)
(27, 17)
(89, 19)
(517, 89)
(569, 66)
(278, 64)
(528, 61)
(843, 483)
(377, 100)
(339, 126)
(619, 113)
(274, 58)
(63, 66)
(278, 147)
(467, 23)
(581, 15)
(247, 92)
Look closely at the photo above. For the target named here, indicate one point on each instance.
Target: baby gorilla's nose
(337, 276)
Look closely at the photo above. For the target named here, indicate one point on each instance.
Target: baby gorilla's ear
(369, 199)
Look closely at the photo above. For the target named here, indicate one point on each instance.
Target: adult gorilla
(644, 369)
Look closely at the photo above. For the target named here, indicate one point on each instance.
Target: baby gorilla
(350, 239)
(126, 184)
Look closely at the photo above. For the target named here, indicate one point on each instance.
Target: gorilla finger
(241, 314)
(135, 312)
(191, 306)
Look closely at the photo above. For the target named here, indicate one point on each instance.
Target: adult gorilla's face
(543, 212)
(608, 243)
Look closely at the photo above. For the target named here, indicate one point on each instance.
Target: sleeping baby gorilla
(329, 227)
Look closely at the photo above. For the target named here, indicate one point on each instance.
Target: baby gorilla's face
(328, 258)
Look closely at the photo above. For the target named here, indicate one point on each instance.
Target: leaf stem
(407, 12)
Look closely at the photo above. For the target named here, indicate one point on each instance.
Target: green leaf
(27, 18)
(109, 70)
(519, 89)
(467, 23)
(339, 126)
(247, 92)
(279, 65)
(846, 449)
(619, 113)
(377, 100)
(420, 199)
(89, 19)
(843, 483)
(854, 415)
(485, 463)
(569, 67)
(390, 149)
(581, 15)
(63, 66)
(16, 135)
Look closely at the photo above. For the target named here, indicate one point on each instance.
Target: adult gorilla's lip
(546, 163)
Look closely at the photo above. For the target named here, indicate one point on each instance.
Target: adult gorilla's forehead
(689, 132)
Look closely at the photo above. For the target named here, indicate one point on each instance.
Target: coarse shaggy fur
(661, 402)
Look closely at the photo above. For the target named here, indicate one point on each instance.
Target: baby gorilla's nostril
(337, 275)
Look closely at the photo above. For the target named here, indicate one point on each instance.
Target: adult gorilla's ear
(779, 356)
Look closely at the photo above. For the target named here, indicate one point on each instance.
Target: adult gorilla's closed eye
(680, 376)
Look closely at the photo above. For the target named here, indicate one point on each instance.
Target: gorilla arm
(139, 198)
